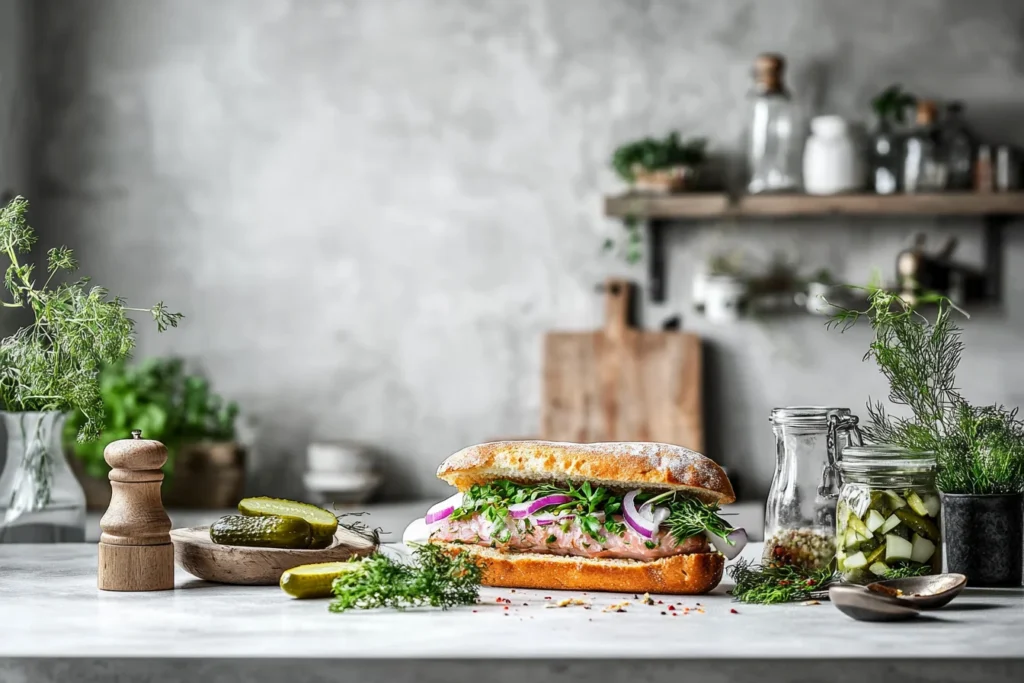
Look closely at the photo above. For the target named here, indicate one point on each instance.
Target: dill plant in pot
(979, 449)
(48, 368)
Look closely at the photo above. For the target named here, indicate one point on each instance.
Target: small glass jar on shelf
(924, 160)
(887, 519)
(800, 514)
(775, 137)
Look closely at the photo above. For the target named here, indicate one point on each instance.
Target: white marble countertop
(50, 607)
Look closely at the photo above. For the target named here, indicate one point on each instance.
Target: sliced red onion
(443, 510)
(520, 510)
(637, 520)
(731, 545)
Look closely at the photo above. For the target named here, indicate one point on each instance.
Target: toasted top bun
(625, 465)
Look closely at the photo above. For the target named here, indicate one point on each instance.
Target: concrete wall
(371, 211)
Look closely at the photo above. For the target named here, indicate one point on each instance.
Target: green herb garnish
(688, 517)
(908, 570)
(763, 585)
(436, 578)
(980, 450)
(54, 362)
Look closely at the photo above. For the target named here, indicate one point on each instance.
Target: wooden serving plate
(199, 556)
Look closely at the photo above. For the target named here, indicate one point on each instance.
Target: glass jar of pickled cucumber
(800, 523)
(887, 518)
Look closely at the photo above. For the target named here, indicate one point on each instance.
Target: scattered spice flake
(566, 602)
(505, 607)
(617, 607)
(648, 600)
(507, 601)
(733, 611)
(513, 590)
(671, 608)
(547, 597)
(700, 611)
(526, 604)
(474, 611)
(661, 602)
(499, 600)
(663, 613)
(675, 614)
(808, 603)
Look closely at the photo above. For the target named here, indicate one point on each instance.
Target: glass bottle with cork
(924, 162)
(774, 137)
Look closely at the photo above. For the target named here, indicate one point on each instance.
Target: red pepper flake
(474, 611)
(733, 611)
(547, 597)
(661, 602)
(505, 607)
(675, 614)
(671, 608)
(499, 599)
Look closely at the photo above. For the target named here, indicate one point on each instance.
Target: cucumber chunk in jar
(897, 532)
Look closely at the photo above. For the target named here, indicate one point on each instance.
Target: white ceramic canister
(724, 296)
(832, 163)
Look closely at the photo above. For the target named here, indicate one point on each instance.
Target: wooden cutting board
(623, 384)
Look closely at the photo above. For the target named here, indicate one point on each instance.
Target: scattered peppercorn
(671, 608)
(734, 611)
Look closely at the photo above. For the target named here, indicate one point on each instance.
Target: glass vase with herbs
(48, 368)
(979, 450)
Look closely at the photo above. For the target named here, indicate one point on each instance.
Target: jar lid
(885, 457)
(807, 416)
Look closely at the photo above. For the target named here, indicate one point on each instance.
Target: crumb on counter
(566, 602)
(617, 607)
(648, 600)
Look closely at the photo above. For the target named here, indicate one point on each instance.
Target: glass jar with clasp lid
(887, 518)
(800, 517)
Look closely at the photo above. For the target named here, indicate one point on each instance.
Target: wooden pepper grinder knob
(135, 547)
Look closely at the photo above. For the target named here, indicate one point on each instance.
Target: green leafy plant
(891, 104)
(436, 578)
(980, 450)
(54, 362)
(764, 585)
(160, 398)
(652, 154)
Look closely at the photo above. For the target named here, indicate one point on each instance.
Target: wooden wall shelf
(661, 211)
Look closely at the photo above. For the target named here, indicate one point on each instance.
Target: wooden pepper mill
(135, 547)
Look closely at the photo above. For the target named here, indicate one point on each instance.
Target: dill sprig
(54, 362)
(906, 571)
(764, 585)
(980, 450)
(436, 578)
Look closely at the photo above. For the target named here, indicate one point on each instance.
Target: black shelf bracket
(656, 286)
(992, 253)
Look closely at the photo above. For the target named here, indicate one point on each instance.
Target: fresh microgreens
(687, 516)
(908, 570)
(436, 578)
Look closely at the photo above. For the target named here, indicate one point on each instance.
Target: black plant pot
(984, 538)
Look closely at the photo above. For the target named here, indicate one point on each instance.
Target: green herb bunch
(759, 584)
(891, 104)
(980, 450)
(688, 517)
(652, 154)
(54, 362)
(159, 397)
(436, 578)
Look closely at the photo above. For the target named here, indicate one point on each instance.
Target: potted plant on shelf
(890, 106)
(660, 166)
(979, 449)
(48, 368)
(205, 466)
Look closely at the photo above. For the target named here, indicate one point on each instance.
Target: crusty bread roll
(625, 465)
(680, 574)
